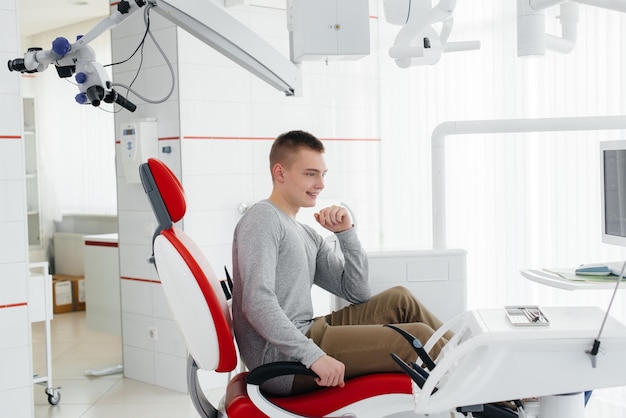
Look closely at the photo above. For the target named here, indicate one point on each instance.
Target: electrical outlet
(153, 333)
(148, 229)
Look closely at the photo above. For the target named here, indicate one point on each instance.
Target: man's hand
(330, 371)
(334, 218)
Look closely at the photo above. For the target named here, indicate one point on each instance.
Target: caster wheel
(54, 397)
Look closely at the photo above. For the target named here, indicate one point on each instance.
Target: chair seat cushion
(320, 402)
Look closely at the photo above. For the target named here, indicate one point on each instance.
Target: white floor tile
(135, 410)
(75, 350)
(77, 391)
(62, 410)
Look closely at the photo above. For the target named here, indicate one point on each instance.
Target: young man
(276, 260)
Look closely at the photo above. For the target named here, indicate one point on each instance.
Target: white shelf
(554, 280)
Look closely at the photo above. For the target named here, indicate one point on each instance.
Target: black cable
(143, 40)
(141, 46)
(169, 65)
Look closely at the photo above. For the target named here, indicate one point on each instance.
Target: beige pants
(355, 336)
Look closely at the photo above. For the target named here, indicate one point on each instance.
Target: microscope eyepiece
(95, 94)
(17, 65)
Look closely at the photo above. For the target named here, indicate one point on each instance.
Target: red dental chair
(200, 309)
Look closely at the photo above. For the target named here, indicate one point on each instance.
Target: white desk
(102, 283)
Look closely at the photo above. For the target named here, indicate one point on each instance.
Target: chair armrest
(280, 368)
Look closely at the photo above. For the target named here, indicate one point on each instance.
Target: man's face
(304, 178)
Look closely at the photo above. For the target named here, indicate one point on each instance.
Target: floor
(75, 350)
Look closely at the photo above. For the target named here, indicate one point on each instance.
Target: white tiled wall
(152, 347)
(16, 393)
(219, 124)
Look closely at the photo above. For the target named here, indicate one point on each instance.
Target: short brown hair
(288, 143)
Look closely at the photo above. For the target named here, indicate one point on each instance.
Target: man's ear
(278, 172)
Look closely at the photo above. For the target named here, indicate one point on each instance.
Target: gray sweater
(276, 260)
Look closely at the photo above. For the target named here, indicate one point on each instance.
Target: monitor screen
(613, 164)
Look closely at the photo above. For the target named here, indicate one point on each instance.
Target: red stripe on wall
(135, 279)
(352, 139)
(10, 137)
(165, 138)
(13, 305)
(252, 138)
(101, 244)
(229, 138)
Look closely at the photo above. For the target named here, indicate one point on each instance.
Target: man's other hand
(330, 371)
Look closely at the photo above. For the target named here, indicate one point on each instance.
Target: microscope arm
(62, 52)
(204, 20)
(80, 58)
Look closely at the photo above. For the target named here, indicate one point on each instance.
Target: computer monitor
(613, 173)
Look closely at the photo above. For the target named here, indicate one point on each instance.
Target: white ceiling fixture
(419, 42)
(532, 39)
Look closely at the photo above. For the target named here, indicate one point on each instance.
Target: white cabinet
(32, 178)
(327, 29)
(102, 283)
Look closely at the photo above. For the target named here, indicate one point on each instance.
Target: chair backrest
(192, 290)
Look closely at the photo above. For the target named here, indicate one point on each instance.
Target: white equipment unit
(139, 141)
(102, 283)
(436, 277)
(320, 29)
(68, 253)
(490, 359)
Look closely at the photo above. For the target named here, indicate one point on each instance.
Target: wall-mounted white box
(438, 278)
(139, 141)
(328, 29)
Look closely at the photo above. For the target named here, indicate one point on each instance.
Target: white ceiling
(38, 16)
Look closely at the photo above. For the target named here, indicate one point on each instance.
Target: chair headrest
(165, 193)
(169, 188)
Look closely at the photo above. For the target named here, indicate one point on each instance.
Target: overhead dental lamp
(532, 39)
(418, 42)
